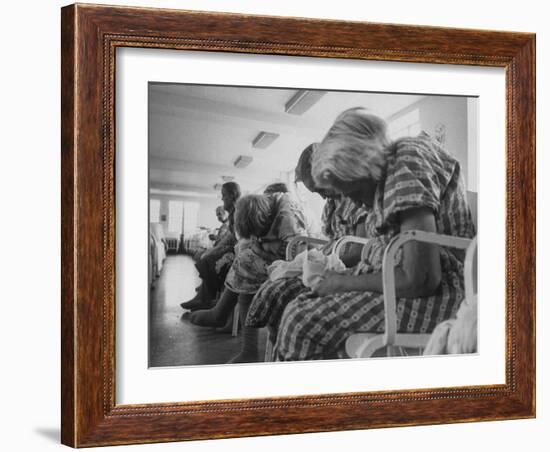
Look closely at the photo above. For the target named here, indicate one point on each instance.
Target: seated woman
(214, 264)
(222, 217)
(264, 224)
(409, 184)
(341, 216)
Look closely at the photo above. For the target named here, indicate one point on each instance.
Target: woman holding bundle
(409, 184)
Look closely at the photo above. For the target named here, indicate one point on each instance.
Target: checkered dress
(252, 256)
(419, 173)
(340, 217)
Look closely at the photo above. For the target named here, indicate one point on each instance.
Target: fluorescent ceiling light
(242, 161)
(302, 101)
(264, 139)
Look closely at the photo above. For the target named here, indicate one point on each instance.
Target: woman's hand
(330, 283)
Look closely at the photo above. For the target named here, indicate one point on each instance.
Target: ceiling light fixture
(264, 139)
(302, 101)
(242, 161)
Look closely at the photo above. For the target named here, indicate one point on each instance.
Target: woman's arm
(351, 255)
(419, 274)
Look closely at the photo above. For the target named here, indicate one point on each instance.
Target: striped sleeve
(412, 180)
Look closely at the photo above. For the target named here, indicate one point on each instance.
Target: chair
(363, 345)
(293, 248)
(235, 322)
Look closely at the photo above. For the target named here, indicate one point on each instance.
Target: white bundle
(284, 269)
(310, 265)
(316, 264)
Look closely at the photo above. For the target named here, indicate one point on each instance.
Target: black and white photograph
(296, 224)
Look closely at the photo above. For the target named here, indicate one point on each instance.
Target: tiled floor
(173, 340)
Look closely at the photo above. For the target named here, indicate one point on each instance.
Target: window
(154, 210)
(175, 216)
(190, 217)
(311, 203)
(407, 125)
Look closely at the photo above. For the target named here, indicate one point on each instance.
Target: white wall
(31, 271)
(452, 112)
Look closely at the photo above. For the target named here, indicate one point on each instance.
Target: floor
(173, 340)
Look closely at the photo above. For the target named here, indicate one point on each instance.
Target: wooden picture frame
(90, 36)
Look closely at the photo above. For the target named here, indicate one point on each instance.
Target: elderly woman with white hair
(409, 184)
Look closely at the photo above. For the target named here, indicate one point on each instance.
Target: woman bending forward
(410, 184)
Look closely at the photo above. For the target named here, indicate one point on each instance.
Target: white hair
(354, 148)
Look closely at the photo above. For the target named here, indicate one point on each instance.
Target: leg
(271, 300)
(196, 302)
(207, 271)
(205, 292)
(268, 305)
(249, 348)
(317, 327)
(217, 316)
(218, 281)
(228, 327)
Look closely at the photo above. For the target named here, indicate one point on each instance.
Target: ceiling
(197, 131)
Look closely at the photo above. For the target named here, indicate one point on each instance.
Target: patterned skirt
(270, 301)
(317, 327)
